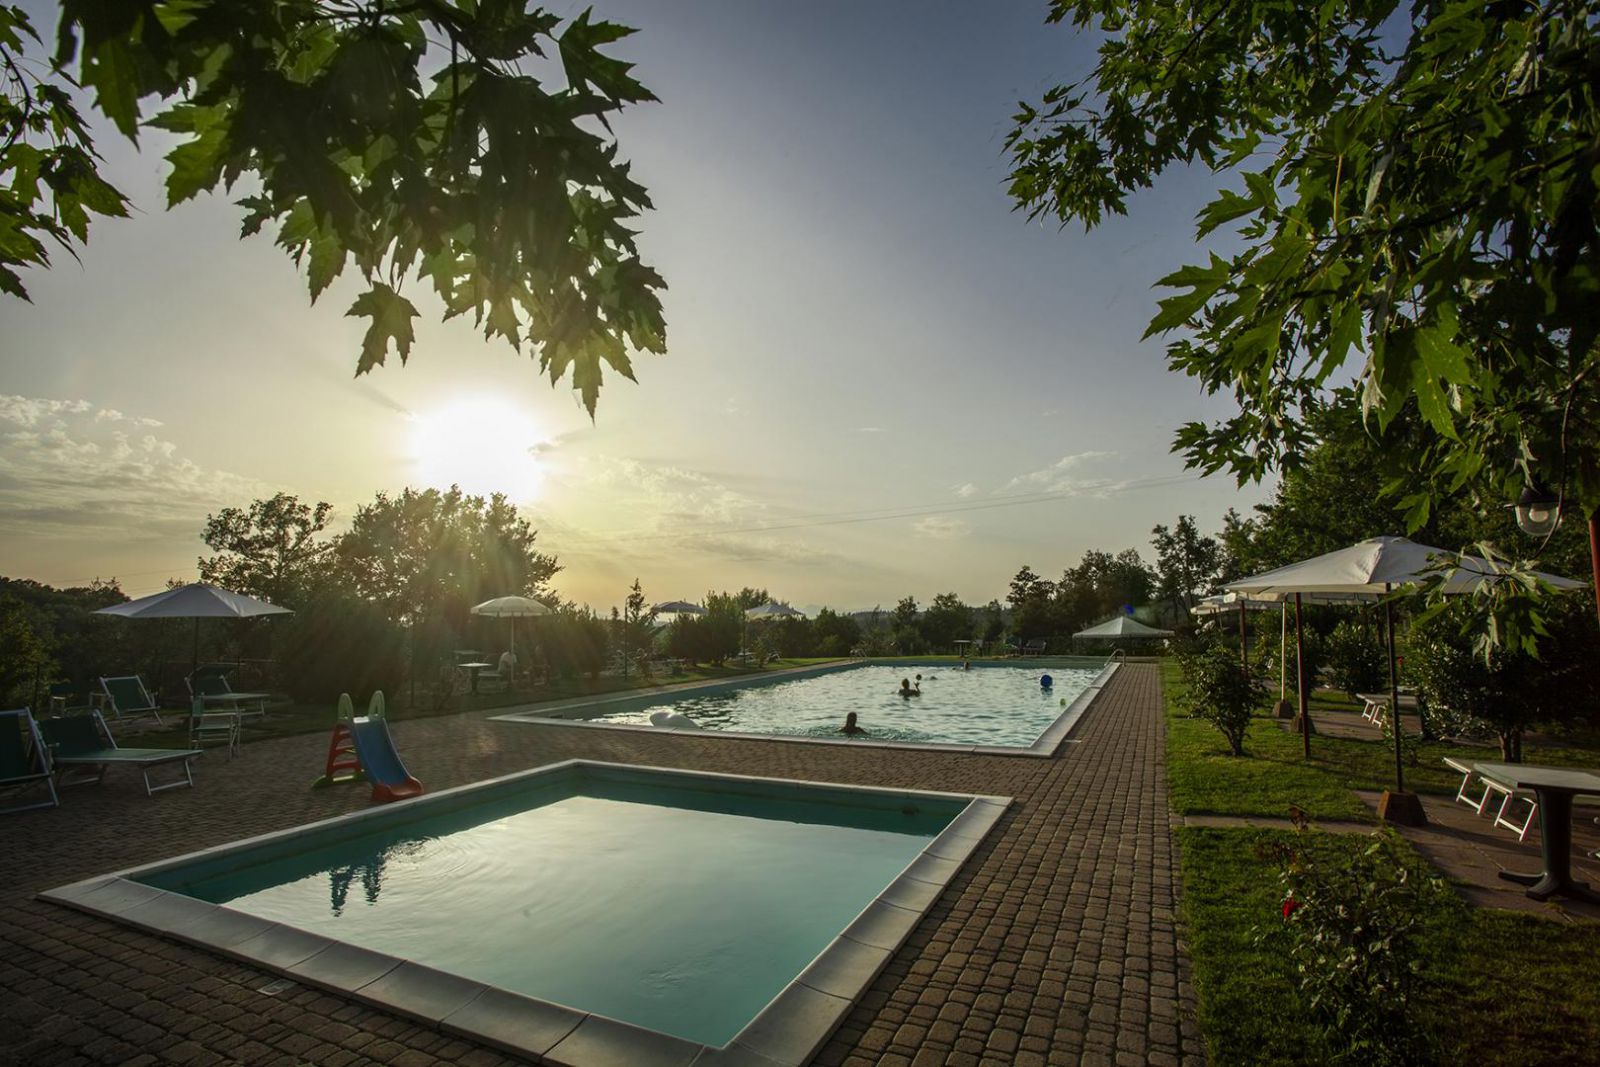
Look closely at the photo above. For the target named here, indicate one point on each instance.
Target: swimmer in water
(966, 665)
(908, 690)
(850, 726)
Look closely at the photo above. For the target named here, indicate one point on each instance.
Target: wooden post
(1244, 640)
(1394, 695)
(1300, 680)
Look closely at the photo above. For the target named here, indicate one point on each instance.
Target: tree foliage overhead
(463, 144)
(1415, 188)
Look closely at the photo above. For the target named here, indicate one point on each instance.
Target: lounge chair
(24, 759)
(127, 698)
(84, 743)
(1035, 647)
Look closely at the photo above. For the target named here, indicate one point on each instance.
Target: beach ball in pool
(1046, 682)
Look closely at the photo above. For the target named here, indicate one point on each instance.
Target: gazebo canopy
(196, 601)
(1122, 626)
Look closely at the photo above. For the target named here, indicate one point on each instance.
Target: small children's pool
(680, 903)
(1001, 705)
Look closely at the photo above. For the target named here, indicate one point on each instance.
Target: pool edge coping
(786, 1032)
(1045, 746)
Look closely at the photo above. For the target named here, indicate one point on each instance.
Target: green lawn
(1508, 989)
(285, 719)
(1206, 780)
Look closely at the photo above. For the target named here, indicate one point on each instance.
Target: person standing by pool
(850, 726)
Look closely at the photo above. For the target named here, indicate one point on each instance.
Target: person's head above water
(850, 719)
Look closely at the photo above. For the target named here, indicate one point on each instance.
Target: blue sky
(859, 326)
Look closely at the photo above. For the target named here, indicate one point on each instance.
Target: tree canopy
(1414, 190)
(458, 144)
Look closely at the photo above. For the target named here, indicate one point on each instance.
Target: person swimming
(850, 726)
(908, 690)
(966, 665)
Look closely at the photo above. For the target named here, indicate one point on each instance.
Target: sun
(484, 444)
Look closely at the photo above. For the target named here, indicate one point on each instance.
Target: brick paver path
(1056, 943)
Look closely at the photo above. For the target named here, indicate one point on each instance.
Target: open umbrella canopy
(1375, 567)
(511, 607)
(197, 601)
(1216, 605)
(679, 607)
(773, 610)
(1122, 626)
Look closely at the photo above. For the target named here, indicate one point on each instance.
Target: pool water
(983, 706)
(675, 908)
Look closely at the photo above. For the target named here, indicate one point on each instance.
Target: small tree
(1219, 690)
(1356, 661)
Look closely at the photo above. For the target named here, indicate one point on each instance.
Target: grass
(1504, 989)
(1501, 989)
(284, 720)
(1206, 780)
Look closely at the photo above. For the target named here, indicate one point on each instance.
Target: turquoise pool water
(679, 909)
(981, 706)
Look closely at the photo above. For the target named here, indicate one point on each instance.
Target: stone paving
(1057, 943)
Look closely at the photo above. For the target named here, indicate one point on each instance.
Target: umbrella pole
(1300, 680)
(1394, 694)
(1244, 640)
(1283, 654)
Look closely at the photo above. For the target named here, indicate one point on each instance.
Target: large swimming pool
(679, 903)
(988, 705)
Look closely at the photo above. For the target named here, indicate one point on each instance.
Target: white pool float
(673, 720)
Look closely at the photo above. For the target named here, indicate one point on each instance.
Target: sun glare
(484, 444)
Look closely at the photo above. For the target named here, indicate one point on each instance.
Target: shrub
(1356, 660)
(575, 642)
(339, 644)
(1219, 690)
(1355, 921)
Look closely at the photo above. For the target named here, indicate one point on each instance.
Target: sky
(881, 379)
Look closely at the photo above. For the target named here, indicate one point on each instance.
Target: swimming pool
(992, 706)
(568, 909)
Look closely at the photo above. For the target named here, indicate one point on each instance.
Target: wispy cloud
(965, 490)
(937, 528)
(1063, 476)
(73, 468)
(871, 429)
(653, 509)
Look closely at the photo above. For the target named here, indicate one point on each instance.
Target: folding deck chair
(129, 699)
(84, 743)
(24, 759)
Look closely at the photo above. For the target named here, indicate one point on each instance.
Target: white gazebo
(195, 601)
(1123, 627)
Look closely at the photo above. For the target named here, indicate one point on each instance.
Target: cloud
(937, 528)
(652, 509)
(965, 490)
(1062, 477)
(871, 429)
(72, 468)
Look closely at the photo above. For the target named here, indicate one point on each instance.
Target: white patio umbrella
(678, 607)
(1372, 569)
(511, 608)
(774, 610)
(196, 601)
(1123, 626)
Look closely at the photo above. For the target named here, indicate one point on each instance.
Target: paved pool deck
(1057, 942)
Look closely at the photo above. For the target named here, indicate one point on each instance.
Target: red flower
(1289, 905)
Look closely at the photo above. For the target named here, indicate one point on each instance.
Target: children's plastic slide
(363, 749)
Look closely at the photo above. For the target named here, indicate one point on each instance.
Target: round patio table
(472, 670)
(1554, 788)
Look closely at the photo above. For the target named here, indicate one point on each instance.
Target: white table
(1554, 787)
(234, 702)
